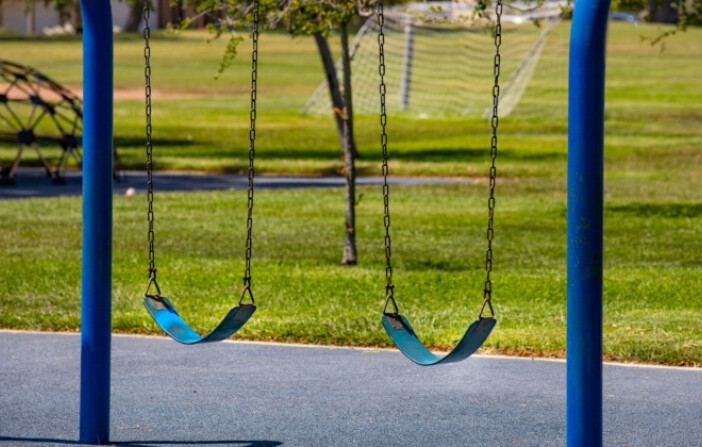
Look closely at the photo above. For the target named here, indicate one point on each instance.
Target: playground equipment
(435, 51)
(586, 85)
(160, 308)
(38, 110)
(584, 234)
(397, 325)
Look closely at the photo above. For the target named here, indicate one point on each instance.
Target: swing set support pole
(585, 217)
(97, 222)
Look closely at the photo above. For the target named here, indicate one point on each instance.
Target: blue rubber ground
(244, 394)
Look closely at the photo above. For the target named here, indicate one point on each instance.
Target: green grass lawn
(653, 109)
(653, 309)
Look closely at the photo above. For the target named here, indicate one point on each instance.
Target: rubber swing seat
(165, 315)
(402, 334)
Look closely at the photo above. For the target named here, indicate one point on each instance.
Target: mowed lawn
(653, 309)
(653, 109)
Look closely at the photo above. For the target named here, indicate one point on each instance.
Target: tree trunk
(78, 18)
(348, 94)
(178, 11)
(349, 257)
(343, 119)
(662, 11)
(30, 18)
(334, 88)
(64, 13)
(135, 16)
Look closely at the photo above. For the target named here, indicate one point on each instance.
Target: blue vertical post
(97, 222)
(585, 209)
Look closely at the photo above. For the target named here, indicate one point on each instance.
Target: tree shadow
(474, 154)
(152, 443)
(439, 265)
(666, 210)
(418, 155)
(130, 142)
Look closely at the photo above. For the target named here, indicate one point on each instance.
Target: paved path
(34, 183)
(258, 395)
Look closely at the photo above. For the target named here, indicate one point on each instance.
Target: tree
(136, 8)
(315, 18)
(682, 13)
(664, 11)
(342, 107)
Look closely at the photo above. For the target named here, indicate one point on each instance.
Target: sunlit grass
(653, 309)
(652, 272)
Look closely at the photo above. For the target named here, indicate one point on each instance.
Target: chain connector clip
(487, 303)
(390, 299)
(246, 290)
(152, 281)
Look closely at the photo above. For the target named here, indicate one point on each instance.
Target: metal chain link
(389, 286)
(252, 152)
(487, 290)
(149, 148)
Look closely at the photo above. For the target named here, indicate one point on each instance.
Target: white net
(439, 59)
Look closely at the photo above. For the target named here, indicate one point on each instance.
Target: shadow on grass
(472, 154)
(236, 442)
(333, 154)
(440, 265)
(132, 142)
(665, 210)
(418, 155)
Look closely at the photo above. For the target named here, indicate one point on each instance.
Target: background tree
(315, 18)
(318, 19)
(136, 8)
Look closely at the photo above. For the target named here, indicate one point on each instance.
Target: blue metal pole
(585, 208)
(97, 222)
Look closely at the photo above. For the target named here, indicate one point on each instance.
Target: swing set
(395, 324)
(585, 211)
(160, 308)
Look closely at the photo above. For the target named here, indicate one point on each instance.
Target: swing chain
(487, 290)
(389, 287)
(252, 150)
(149, 147)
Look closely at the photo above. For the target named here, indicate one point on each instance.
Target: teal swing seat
(396, 325)
(159, 307)
(400, 331)
(168, 319)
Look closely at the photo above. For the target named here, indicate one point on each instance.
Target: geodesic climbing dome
(34, 111)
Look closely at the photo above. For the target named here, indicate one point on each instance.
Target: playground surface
(33, 182)
(264, 395)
